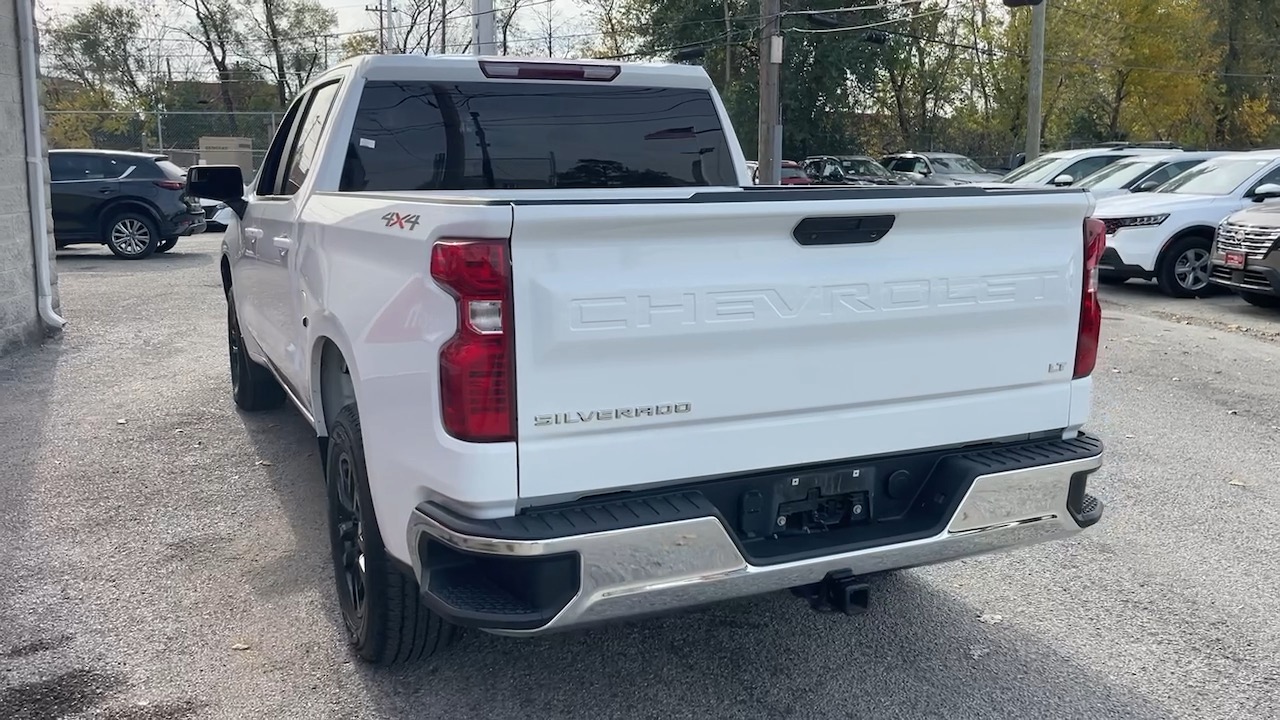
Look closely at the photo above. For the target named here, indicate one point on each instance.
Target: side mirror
(1146, 186)
(1266, 191)
(224, 183)
(1063, 180)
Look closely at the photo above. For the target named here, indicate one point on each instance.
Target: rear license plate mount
(805, 503)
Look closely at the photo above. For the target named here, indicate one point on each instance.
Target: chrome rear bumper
(659, 567)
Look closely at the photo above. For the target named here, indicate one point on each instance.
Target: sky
(353, 17)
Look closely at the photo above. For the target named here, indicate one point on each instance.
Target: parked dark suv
(134, 203)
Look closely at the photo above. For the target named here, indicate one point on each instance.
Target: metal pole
(1035, 86)
(482, 37)
(388, 20)
(768, 149)
(728, 49)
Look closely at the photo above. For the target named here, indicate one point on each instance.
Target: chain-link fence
(175, 133)
(178, 134)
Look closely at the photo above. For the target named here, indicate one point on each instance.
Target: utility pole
(381, 12)
(728, 48)
(444, 27)
(482, 31)
(769, 148)
(1035, 84)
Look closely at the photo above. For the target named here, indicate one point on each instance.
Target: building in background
(20, 318)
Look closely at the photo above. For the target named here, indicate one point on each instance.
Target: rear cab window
(519, 135)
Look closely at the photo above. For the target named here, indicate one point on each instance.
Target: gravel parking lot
(166, 557)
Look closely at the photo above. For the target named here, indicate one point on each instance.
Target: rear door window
(510, 135)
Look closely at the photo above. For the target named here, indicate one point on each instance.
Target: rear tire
(253, 387)
(167, 245)
(1183, 269)
(1261, 300)
(132, 236)
(382, 610)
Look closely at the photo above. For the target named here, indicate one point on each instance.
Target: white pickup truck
(566, 365)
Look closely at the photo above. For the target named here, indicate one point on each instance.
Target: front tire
(1184, 268)
(253, 387)
(132, 236)
(382, 611)
(1261, 300)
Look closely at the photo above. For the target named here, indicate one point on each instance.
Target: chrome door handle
(253, 233)
(282, 242)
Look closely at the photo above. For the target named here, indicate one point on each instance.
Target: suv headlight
(1139, 221)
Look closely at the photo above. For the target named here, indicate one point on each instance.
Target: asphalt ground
(166, 557)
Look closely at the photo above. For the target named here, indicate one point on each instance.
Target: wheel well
(336, 388)
(111, 211)
(1203, 231)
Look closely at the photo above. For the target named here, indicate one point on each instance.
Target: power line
(994, 52)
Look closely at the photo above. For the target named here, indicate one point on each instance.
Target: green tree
(822, 72)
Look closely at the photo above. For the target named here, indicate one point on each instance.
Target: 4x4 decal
(404, 222)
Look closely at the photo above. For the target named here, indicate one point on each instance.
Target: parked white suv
(567, 366)
(1065, 167)
(1142, 173)
(1166, 234)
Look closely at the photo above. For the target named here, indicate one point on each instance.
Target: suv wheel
(1261, 300)
(1183, 271)
(132, 236)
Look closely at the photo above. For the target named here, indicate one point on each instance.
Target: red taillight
(170, 184)
(1095, 241)
(477, 365)
(548, 71)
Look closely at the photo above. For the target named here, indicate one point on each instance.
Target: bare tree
(414, 24)
(613, 20)
(505, 20)
(288, 39)
(550, 23)
(216, 31)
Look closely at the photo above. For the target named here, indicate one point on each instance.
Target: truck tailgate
(667, 341)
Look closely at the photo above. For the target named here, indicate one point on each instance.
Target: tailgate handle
(844, 230)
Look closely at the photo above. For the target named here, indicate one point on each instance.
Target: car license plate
(1234, 260)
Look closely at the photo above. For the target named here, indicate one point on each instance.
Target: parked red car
(794, 174)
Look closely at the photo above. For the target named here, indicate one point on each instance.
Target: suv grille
(1112, 226)
(1254, 242)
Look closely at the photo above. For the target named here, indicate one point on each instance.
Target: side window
(1167, 173)
(915, 165)
(310, 126)
(269, 173)
(62, 167)
(113, 168)
(1272, 176)
(65, 167)
(1088, 166)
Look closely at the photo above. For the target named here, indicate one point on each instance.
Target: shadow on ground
(73, 260)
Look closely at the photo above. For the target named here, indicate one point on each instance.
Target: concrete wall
(19, 319)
